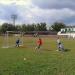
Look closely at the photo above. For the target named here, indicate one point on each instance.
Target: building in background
(69, 31)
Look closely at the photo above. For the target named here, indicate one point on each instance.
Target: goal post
(10, 37)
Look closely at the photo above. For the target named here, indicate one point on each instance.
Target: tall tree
(24, 28)
(18, 28)
(43, 27)
(57, 26)
(7, 27)
(38, 27)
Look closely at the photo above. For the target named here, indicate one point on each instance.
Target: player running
(39, 43)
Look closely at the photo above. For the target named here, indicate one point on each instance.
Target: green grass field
(46, 61)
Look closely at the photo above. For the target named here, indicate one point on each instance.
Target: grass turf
(46, 61)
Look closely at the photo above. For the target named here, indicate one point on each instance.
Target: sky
(36, 11)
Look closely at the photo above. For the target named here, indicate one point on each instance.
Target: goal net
(10, 37)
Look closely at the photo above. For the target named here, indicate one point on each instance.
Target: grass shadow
(66, 50)
(46, 49)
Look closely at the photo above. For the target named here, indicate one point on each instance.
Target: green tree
(28, 27)
(41, 27)
(38, 27)
(18, 28)
(7, 27)
(24, 28)
(32, 27)
(57, 26)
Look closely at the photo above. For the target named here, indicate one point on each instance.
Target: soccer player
(58, 43)
(17, 42)
(61, 47)
(39, 43)
(58, 40)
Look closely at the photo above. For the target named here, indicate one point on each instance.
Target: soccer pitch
(46, 61)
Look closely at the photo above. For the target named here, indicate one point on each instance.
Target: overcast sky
(34, 11)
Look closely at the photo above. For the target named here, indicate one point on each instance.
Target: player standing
(58, 44)
(17, 42)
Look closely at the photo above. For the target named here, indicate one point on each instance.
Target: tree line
(31, 27)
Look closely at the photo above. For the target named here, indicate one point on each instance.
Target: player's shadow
(46, 50)
(66, 50)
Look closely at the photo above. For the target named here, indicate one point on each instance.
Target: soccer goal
(10, 37)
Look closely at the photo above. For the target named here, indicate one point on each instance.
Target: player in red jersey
(39, 43)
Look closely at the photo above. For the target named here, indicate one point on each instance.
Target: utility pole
(14, 17)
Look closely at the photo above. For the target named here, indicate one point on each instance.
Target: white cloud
(5, 1)
(17, 2)
(51, 15)
(33, 13)
(54, 4)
